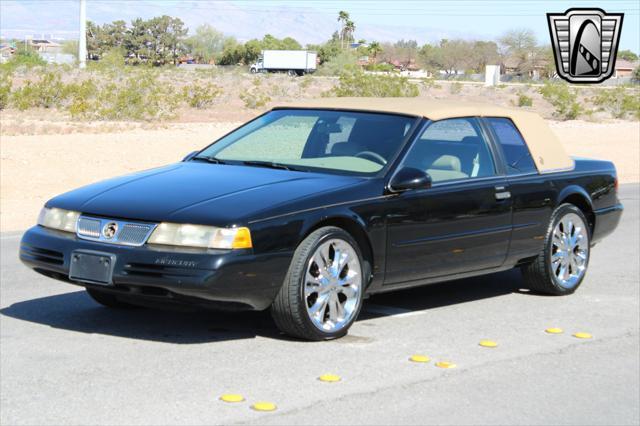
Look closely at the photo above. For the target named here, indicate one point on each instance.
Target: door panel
(462, 223)
(446, 230)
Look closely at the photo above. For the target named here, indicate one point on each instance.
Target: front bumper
(231, 279)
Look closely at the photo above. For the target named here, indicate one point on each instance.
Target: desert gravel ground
(66, 360)
(34, 168)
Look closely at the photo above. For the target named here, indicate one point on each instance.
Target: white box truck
(293, 62)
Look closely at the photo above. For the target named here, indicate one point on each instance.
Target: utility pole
(82, 44)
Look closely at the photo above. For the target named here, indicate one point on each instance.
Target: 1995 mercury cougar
(309, 208)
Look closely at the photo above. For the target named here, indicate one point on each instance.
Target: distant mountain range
(59, 19)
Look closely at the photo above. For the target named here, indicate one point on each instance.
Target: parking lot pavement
(65, 360)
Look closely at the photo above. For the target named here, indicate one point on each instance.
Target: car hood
(195, 192)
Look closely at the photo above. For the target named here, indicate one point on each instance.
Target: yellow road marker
(582, 335)
(488, 343)
(553, 330)
(445, 364)
(419, 358)
(264, 406)
(329, 378)
(232, 397)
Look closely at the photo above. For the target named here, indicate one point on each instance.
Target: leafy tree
(236, 53)
(374, 50)
(157, 41)
(483, 53)
(627, 55)
(328, 50)
(521, 46)
(70, 47)
(232, 53)
(289, 43)
(206, 43)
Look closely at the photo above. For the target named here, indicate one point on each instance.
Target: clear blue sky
(315, 20)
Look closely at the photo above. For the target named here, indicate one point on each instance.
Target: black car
(307, 209)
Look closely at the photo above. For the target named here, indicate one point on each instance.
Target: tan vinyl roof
(547, 152)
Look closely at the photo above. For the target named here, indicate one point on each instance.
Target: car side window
(514, 148)
(452, 149)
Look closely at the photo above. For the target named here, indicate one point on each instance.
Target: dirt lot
(37, 167)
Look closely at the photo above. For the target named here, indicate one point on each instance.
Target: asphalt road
(66, 360)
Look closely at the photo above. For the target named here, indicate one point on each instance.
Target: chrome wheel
(569, 250)
(332, 285)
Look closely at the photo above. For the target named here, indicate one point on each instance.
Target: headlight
(62, 220)
(175, 234)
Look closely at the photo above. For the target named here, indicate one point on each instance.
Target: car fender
(571, 190)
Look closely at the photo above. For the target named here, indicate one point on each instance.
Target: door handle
(503, 195)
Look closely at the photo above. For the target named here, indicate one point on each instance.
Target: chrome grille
(126, 232)
(88, 227)
(134, 234)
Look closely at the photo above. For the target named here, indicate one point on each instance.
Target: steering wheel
(370, 155)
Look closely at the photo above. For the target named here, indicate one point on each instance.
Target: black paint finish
(448, 231)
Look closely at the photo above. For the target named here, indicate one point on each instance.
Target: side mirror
(190, 156)
(410, 178)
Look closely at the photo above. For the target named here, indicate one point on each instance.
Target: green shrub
(360, 84)
(428, 83)
(305, 82)
(139, 96)
(619, 102)
(563, 99)
(277, 91)
(455, 88)
(81, 98)
(24, 56)
(379, 67)
(346, 60)
(5, 89)
(254, 98)
(524, 100)
(111, 62)
(201, 96)
(47, 92)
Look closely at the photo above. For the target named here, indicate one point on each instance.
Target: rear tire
(108, 300)
(562, 264)
(322, 292)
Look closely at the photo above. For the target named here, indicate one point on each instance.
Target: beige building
(624, 68)
(45, 46)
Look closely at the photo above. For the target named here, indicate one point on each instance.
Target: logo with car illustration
(585, 43)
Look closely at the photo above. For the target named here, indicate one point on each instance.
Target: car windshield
(300, 139)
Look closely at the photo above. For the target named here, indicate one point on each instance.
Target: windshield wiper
(211, 159)
(271, 165)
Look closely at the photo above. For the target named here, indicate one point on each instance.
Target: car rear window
(514, 148)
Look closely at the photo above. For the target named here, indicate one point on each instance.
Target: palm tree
(349, 29)
(374, 50)
(343, 18)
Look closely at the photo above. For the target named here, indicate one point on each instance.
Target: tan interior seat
(446, 167)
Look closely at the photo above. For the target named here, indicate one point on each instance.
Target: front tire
(322, 293)
(562, 264)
